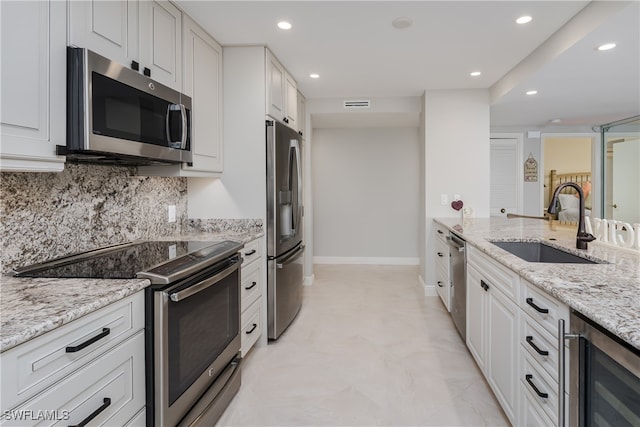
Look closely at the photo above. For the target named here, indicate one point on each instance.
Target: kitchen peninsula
(607, 293)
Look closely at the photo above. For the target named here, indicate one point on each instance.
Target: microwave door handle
(183, 113)
(184, 132)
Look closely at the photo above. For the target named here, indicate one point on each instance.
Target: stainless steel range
(192, 320)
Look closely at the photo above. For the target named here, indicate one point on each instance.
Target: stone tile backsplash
(47, 215)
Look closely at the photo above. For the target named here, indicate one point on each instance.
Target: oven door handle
(201, 286)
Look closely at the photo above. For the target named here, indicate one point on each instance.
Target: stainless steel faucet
(583, 237)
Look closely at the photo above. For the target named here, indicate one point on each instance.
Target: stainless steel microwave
(117, 115)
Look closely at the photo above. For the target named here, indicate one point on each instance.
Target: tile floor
(366, 349)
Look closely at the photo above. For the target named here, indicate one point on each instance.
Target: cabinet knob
(135, 66)
(147, 72)
(440, 284)
(440, 254)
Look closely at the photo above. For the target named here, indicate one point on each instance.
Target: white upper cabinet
(282, 93)
(161, 42)
(291, 103)
(275, 88)
(33, 85)
(147, 32)
(109, 28)
(203, 83)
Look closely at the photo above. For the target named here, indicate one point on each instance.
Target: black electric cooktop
(156, 260)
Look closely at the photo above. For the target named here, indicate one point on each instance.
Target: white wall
(366, 195)
(457, 159)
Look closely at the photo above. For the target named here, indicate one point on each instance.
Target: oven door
(604, 376)
(196, 337)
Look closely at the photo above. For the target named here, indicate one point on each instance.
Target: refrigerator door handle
(296, 220)
(291, 257)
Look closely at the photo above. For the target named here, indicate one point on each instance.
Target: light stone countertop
(608, 294)
(29, 307)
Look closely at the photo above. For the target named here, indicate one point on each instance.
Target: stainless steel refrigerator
(284, 227)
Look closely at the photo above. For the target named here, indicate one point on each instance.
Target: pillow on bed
(568, 201)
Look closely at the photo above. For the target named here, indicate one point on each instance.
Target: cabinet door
(502, 351)
(109, 28)
(33, 80)
(161, 42)
(291, 88)
(203, 83)
(275, 88)
(302, 111)
(476, 316)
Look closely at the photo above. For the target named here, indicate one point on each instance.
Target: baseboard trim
(429, 291)
(366, 260)
(308, 280)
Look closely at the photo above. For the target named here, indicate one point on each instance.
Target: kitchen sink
(540, 252)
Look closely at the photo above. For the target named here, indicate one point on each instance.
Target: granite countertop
(29, 307)
(608, 293)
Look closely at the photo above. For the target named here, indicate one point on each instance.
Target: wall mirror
(621, 170)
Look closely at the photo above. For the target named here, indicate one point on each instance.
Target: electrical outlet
(443, 199)
(172, 213)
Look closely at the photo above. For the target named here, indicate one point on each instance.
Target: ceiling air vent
(359, 105)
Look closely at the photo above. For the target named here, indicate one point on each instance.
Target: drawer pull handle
(249, 253)
(440, 254)
(253, 285)
(538, 309)
(535, 347)
(484, 285)
(255, 325)
(440, 284)
(533, 386)
(440, 232)
(87, 343)
(105, 405)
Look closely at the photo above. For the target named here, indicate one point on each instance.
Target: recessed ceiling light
(524, 19)
(402, 23)
(314, 76)
(284, 25)
(475, 73)
(607, 46)
(531, 92)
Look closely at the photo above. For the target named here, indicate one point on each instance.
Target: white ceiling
(358, 54)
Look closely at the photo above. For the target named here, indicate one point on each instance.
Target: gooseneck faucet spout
(583, 237)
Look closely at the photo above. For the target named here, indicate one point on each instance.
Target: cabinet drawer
(443, 287)
(251, 327)
(251, 287)
(442, 255)
(543, 308)
(251, 251)
(531, 375)
(531, 413)
(498, 275)
(536, 340)
(441, 231)
(114, 381)
(33, 366)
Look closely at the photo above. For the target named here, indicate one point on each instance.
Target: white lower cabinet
(251, 295)
(492, 334)
(107, 391)
(539, 353)
(512, 333)
(91, 368)
(442, 263)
